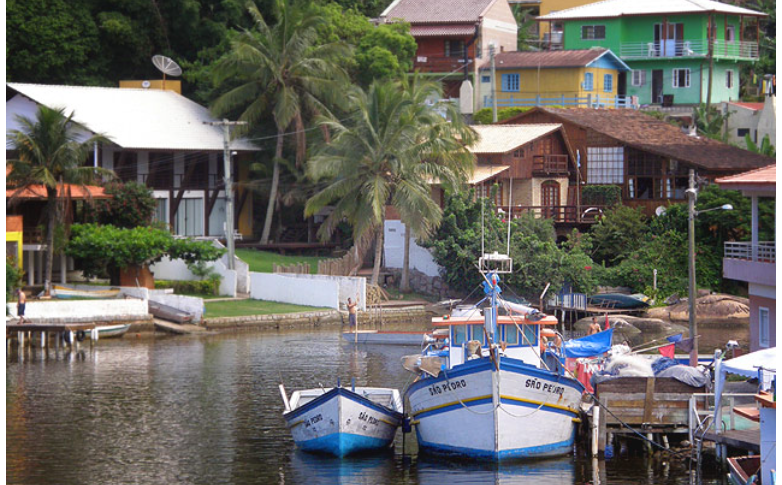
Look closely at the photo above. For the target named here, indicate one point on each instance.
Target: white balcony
(688, 48)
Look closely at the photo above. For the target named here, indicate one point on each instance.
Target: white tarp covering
(749, 365)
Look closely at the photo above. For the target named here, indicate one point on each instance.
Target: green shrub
(484, 117)
(601, 195)
(202, 287)
(13, 275)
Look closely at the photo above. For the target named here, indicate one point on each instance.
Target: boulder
(716, 311)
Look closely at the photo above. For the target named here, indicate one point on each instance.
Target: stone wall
(421, 283)
(409, 315)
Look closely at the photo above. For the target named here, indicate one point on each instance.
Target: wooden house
(647, 158)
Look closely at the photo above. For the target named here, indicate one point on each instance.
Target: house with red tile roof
(647, 158)
(754, 262)
(454, 36)
(757, 120)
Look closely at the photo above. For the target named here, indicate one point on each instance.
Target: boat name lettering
(315, 419)
(436, 389)
(369, 419)
(544, 386)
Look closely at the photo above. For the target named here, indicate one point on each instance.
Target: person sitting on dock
(21, 302)
(352, 312)
(594, 327)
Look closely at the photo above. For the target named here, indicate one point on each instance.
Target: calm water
(206, 410)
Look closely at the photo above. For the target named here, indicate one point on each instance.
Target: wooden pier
(50, 334)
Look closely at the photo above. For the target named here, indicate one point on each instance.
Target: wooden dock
(50, 333)
(744, 439)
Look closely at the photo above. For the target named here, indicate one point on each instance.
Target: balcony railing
(689, 48)
(440, 64)
(560, 213)
(764, 252)
(588, 101)
(549, 165)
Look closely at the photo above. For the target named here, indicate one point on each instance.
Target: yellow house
(548, 6)
(13, 238)
(575, 78)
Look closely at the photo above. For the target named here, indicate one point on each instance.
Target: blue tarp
(589, 346)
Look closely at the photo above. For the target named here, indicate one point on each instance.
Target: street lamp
(692, 195)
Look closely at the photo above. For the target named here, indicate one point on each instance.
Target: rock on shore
(715, 311)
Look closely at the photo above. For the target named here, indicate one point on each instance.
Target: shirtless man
(352, 312)
(594, 327)
(21, 302)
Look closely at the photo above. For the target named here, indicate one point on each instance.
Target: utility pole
(229, 194)
(493, 85)
(692, 194)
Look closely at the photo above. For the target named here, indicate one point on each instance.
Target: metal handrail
(764, 251)
(688, 48)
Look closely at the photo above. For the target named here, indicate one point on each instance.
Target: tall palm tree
(377, 159)
(50, 153)
(282, 70)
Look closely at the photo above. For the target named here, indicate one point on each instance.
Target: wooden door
(550, 199)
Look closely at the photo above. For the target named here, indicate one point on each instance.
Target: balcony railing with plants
(440, 64)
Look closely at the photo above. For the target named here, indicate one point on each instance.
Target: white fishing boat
(112, 331)
(341, 421)
(492, 393)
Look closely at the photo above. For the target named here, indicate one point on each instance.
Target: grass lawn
(261, 261)
(243, 308)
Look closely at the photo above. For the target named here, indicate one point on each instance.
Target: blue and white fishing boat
(493, 393)
(342, 421)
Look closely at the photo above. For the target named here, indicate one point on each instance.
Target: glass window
(161, 211)
(511, 334)
(189, 219)
(476, 333)
(530, 335)
(485, 79)
(510, 83)
(605, 165)
(454, 48)
(608, 83)
(588, 82)
(729, 78)
(639, 78)
(681, 78)
(763, 327)
(594, 32)
(458, 334)
(730, 34)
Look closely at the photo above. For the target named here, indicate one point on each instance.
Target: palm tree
(382, 157)
(281, 69)
(51, 154)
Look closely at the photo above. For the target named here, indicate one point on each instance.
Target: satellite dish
(659, 211)
(167, 66)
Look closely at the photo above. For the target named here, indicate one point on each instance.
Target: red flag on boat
(668, 350)
(608, 324)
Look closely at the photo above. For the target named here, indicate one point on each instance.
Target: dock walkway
(61, 333)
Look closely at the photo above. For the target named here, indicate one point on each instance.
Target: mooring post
(649, 440)
(71, 339)
(595, 430)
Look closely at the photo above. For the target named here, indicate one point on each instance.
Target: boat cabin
(520, 336)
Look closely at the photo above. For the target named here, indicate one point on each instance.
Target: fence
(588, 101)
(344, 266)
(295, 268)
(764, 251)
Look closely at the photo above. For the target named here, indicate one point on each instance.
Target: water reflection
(433, 471)
(352, 470)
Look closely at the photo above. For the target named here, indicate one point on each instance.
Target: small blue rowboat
(342, 421)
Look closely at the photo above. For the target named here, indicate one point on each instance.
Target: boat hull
(476, 411)
(341, 422)
(65, 293)
(113, 331)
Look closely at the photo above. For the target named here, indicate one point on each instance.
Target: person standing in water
(352, 312)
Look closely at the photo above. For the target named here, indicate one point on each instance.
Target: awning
(72, 191)
(761, 364)
(589, 346)
(482, 173)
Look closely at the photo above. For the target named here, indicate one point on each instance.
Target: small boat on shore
(166, 312)
(342, 421)
(619, 300)
(67, 293)
(112, 331)
(743, 470)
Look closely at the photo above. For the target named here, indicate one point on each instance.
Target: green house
(668, 45)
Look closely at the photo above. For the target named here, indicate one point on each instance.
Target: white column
(30, 268)
(63, 269)
(754, 228)
(39, 264)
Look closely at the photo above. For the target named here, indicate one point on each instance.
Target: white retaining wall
(168, 269)
(394, 250)
(84, 310)
(310, 290)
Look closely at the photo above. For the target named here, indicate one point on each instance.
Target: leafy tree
(765, 147)
(105, 249)
(617, 233)
(13, 276)
(484, 116)
(385, 51)
(385, 153)
(526, 35)
(131, 205)
(50, 154)
(282, 71)
(710, 122)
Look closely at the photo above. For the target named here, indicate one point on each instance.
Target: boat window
(477, 333)
(459, 334)
(511, 335)
(530, 335)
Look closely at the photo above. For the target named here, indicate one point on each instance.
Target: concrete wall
(767, 124)
(741, 118)
(177, 270)
(394, 249)
(311, 290)
(54, 311)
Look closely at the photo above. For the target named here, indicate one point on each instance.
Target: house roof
(505, 138)
(643, 132)
(437, 11)
(133, 118)
(752, 106)
(621, 8)
(551, 59)
(443, 30)
(481, 173)
(73, 191)
(759, 180)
